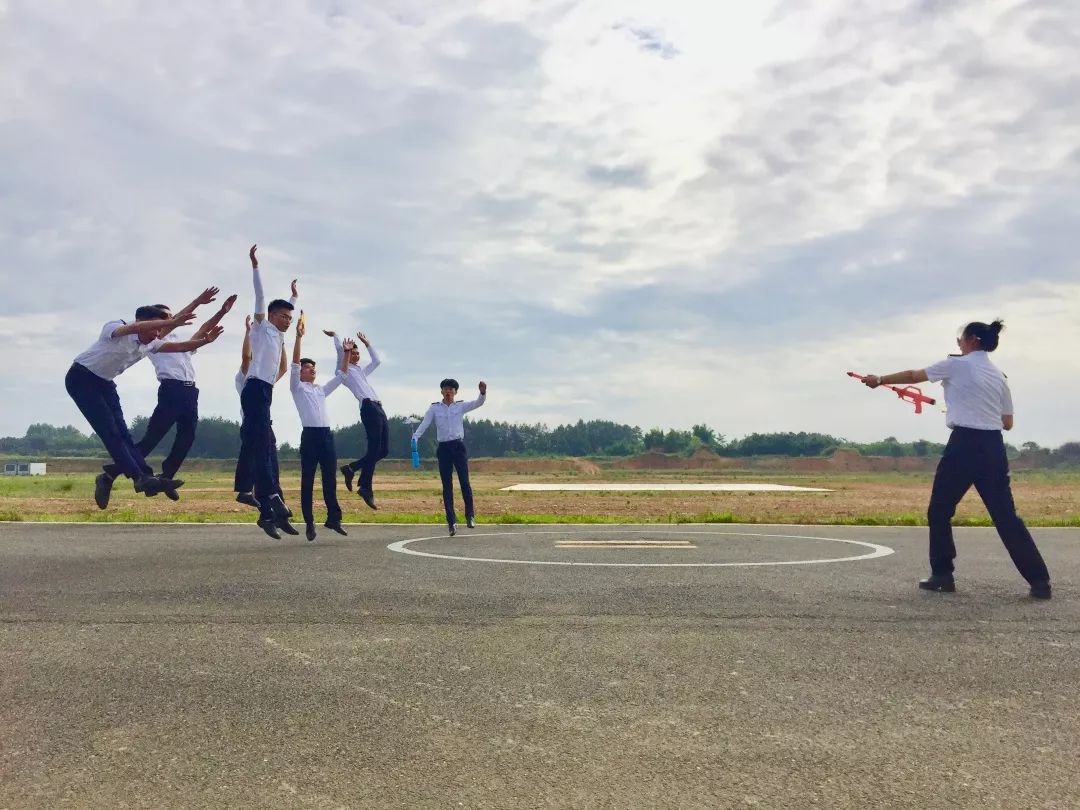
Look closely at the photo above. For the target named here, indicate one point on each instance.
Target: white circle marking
(876, 550)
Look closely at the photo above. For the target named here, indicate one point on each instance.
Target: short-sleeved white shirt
(239, 380)
(110, 356)
(976, 392)
(173, 365)
(267, 341)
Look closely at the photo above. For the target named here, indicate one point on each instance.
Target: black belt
(373, 401)
(188, 383)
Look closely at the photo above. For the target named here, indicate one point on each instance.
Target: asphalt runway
(208, 666)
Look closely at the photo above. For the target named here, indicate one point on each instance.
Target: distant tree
(709, 437)
(653, 440)
(1069, 452)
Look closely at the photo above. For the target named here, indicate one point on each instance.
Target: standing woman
(979, 405)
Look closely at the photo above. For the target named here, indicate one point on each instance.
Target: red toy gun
(909, 393)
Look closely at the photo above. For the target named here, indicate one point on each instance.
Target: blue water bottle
(415, 456)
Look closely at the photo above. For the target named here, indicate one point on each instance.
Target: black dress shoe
(247, 499)
(369, 497)
(278, 507)
(336, 527)
(936, 582)
(283, 524)
(470, 521)
(169, 487)
(310, 532)
(452, 527)
(149, 485)
(103, 490)
(348, 474)
(269, 525)
(1040, 590)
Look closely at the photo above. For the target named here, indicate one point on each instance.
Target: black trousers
(98, 401)
(452, 456)
(373, 418)
(317, 450)
(977, 458)
(178, 404)
(244, 478)
(257, 450)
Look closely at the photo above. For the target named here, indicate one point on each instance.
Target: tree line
(220, 438)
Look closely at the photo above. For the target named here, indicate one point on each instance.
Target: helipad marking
(624, 544)
(666, 487)
(876, 550)
(631, 545)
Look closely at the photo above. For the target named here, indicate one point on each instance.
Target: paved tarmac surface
(208, 666)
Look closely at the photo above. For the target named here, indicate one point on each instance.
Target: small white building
(24, 468)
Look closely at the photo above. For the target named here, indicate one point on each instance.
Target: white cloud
(617, 210)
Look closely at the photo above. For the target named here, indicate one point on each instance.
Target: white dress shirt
(976, 392)
(357, 377)
(267, 342)
(173, 365)
(109, 356)
(449, 419)
(310, 398)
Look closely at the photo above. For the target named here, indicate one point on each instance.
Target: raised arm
(337, 348)
(215, 319)
(192, 344)
(205, 297)
(300, 329)
(339, 377)
(283, 365)
(476, 403)
(375, 359)
(245, 348)
(260, 296)
(155, 325)
(295, 296)
(343, 352)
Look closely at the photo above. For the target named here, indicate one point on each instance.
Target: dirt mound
(524, 465)
(702, 459)
(844, 460)
(587, 467)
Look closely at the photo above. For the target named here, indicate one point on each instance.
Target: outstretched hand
(329, 332)
(483, 387)
(348, 345)
(182, 319)
(292, 287)
(363, 338)
(207, 295)
(213, 334)
(247, 323)
(227, 304)
(254, 261)
(871, 381)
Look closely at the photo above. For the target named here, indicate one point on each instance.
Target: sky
(661, 214)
